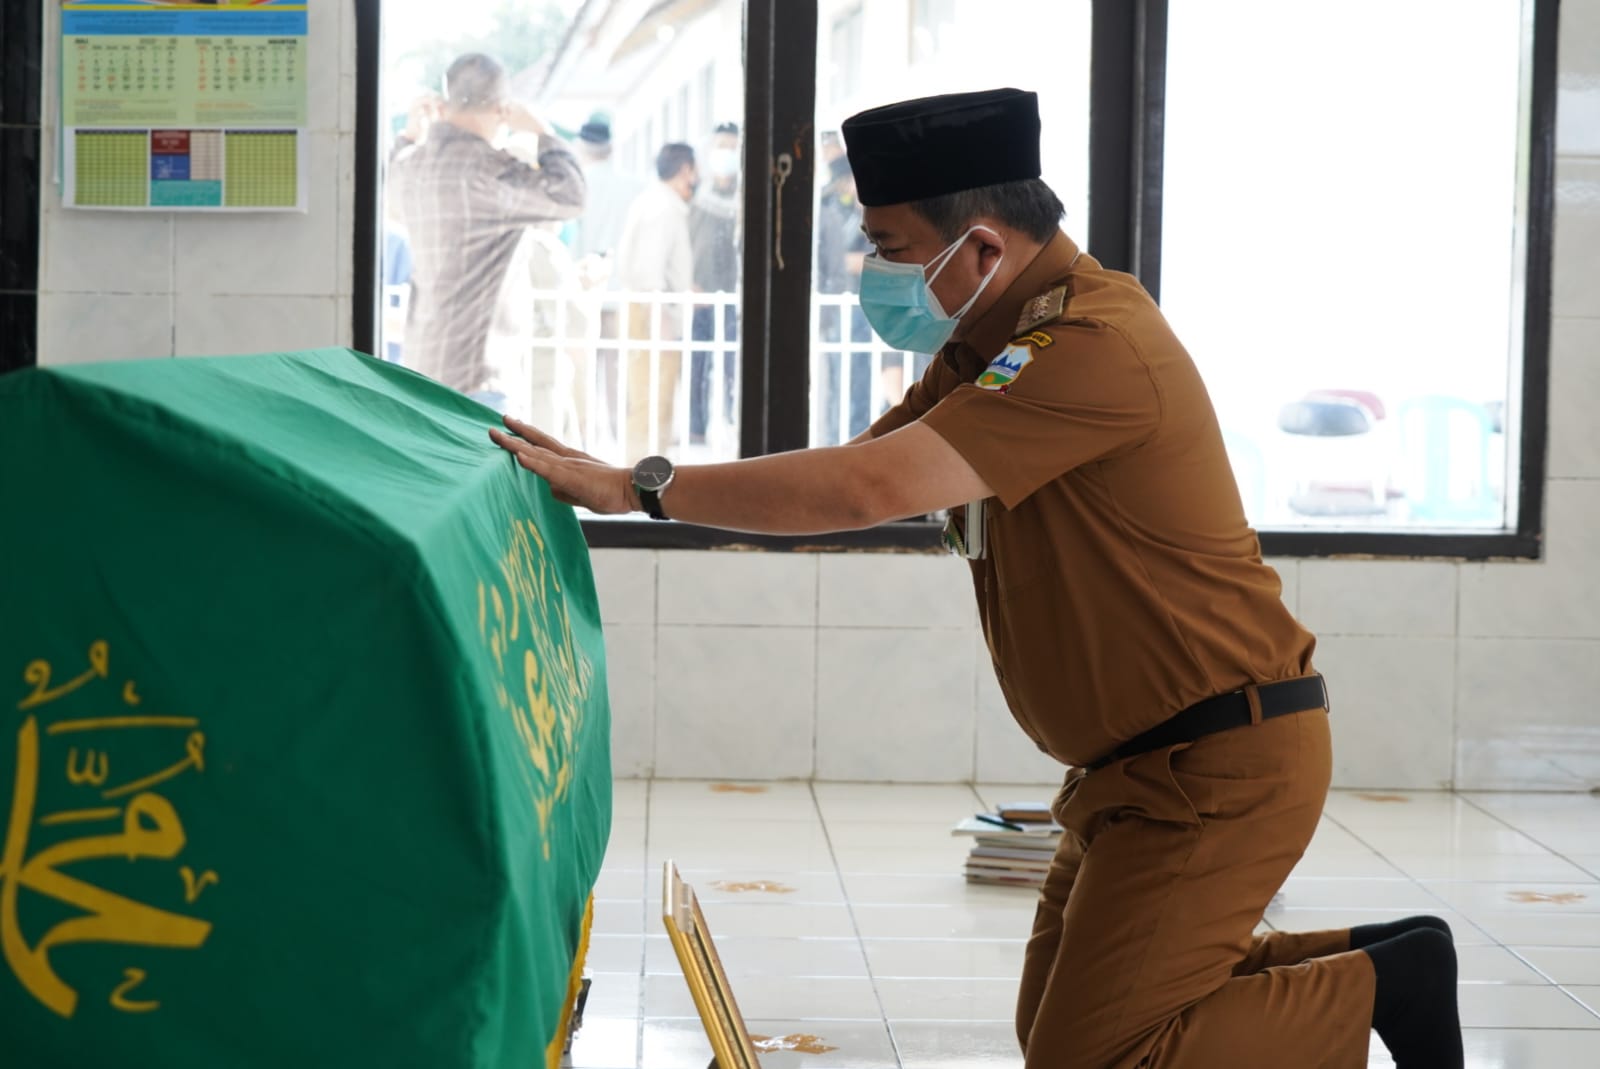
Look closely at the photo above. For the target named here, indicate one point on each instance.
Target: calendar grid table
(184, 107)
(111, 168)
(262, 168)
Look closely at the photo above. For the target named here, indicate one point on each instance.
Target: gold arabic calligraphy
(545, 689)
(150, 828)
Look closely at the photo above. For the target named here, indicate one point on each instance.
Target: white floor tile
(680, 1043)
(613, 995)
(1497, 840)
(1564, 965)
(724, 800)
(801, 998)
(675, 833)
(777, 921)
(1359, 864)
(966, 999)
(1511, 1006)
(1479, 867)
(1494, 965)
(939, 804)
(1332, 837)
(614, 953)
(940, 860)
(949, 889)
(608, 1043)
(994, 794)
(891, 832)
(619, 916)
(1393, 808)
(1518, 1048)
(944, 922)
(838, 911)
(795, 847)
(1334, 892)
(995, 959)
(767, 956)
(629, 799)
(753, 884)
(625, 883)
(1526, 896)
(857, 1044)
(1514, 1048)
(625, 848)
(965, 1045)
(1556, 930)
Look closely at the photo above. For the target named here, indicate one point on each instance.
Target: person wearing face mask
(465, 203)
(714, 235)
(1135, 631)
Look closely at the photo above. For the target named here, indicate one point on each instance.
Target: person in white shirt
(654, 255)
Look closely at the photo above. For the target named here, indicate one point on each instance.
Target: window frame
(1127, 105)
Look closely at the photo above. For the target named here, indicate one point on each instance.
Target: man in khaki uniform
(1136, 633)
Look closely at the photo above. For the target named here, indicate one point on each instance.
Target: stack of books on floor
(1011, 845)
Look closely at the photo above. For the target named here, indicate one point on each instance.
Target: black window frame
(1127, 100)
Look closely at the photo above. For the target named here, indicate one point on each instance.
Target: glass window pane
(605, 311)
(1342, 251)
(863, 61)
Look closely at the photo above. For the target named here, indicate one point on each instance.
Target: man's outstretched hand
(574, 477)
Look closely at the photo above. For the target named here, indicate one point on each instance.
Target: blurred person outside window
(655, 255)
(541, 322)
(714, 222)
(396, 291)
(841, 248)
(465, 203)
(598, 230)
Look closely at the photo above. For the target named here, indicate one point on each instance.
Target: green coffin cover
(305, 757)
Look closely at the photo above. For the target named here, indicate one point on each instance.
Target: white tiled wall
(124, 285)
(870, 666)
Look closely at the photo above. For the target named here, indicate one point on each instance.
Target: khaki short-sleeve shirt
(1122, 582)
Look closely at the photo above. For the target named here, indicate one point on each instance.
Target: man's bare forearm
(814, 491)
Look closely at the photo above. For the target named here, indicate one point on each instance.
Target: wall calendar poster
(176, 105)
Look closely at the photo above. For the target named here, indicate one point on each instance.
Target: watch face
(652, 473)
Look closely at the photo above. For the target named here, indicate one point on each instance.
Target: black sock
(1364, 935)
(1414, 1007)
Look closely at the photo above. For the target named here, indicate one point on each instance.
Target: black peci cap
(944, 144)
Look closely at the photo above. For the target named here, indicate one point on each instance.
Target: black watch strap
(651, 502)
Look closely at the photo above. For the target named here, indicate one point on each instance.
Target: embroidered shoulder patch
(1045, 308)
(1038, 339)
(1004, 369)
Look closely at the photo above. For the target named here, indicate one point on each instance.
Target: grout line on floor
(855, 926)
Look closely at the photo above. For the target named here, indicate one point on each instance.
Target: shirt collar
(999, 324)
(445, 130)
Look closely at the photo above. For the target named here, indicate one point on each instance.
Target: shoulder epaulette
(1045, 308)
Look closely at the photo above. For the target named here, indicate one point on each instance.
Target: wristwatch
(651, 477)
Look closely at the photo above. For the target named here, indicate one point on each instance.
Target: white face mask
(899, 302)
(723, 162)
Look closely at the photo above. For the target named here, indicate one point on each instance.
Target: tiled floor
(882, 951)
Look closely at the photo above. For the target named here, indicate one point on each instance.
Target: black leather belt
(1224, 712)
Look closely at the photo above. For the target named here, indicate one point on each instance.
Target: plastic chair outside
(1444, 445)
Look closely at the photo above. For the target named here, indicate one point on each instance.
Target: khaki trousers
(638, 443)
(1142, 953)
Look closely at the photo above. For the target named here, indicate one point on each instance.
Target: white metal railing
(590, 353)
(611, 372)
(843, 346)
